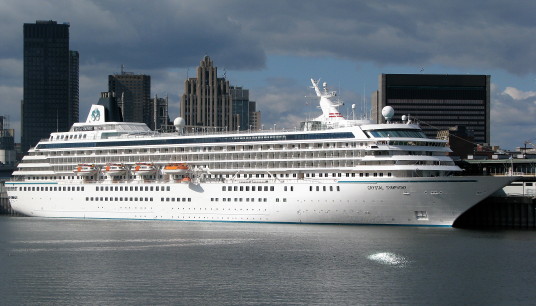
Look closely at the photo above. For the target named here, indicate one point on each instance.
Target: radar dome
(388, 112)
(404, 118)
(179, 123)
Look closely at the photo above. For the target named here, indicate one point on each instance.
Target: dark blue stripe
(33, 183)
(184, 140)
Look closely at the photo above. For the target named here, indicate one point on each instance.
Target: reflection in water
(388, 258)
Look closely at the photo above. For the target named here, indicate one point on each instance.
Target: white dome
(388, 112)
(178, 122)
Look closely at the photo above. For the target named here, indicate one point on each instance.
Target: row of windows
(119, 199)
(411, 109)
(247, 188)
(441, 111)
(61, 177)
(325, 188)
(46, 188)
(431, 116)
(133, 188)
(397, 133)
(246, 200)
(427, 102)
(176, 199)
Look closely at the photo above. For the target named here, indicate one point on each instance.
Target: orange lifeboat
(176, 168)
(85, 170)
(186, 180)
(114, 169)
(144, 169)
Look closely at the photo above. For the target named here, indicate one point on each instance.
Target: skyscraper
(50, 99)
(7, 143)
(206, 101)
(74, 93)
(438, 102)
(159, 113)
(209, 101)
(243, 108)
(133, 92)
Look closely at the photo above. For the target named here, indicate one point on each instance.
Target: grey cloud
(480, 34)
(238, 34)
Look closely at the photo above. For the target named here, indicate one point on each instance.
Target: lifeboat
(85, 170)
(114, 169)
(144, 169)
(186, 180)
(176, 168)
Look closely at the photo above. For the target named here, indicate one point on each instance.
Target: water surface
(57, 261)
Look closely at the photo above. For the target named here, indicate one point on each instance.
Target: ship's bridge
(393, 130)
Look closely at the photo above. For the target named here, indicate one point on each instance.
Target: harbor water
(114, 262)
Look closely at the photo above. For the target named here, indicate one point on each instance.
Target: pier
(5, 174)
(5, 207)
(500, 212)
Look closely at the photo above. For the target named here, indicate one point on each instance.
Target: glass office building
(437, 102)
(50, 99)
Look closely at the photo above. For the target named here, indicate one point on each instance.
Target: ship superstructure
(329, 170)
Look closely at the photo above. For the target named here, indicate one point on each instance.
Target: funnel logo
(95, 115)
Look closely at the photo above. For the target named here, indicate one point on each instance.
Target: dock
(517, 212)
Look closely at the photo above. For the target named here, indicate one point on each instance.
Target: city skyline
(274, 48)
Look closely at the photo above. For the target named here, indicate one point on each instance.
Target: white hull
(406, 201)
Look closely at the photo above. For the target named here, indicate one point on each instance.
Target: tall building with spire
(211, 102)
(50, 98)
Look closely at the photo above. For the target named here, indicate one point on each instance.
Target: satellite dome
(404, 118)
(178, 122)
(388, 112)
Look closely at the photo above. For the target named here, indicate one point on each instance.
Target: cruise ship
(329, 170)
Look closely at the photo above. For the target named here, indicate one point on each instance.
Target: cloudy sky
(274, 47)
